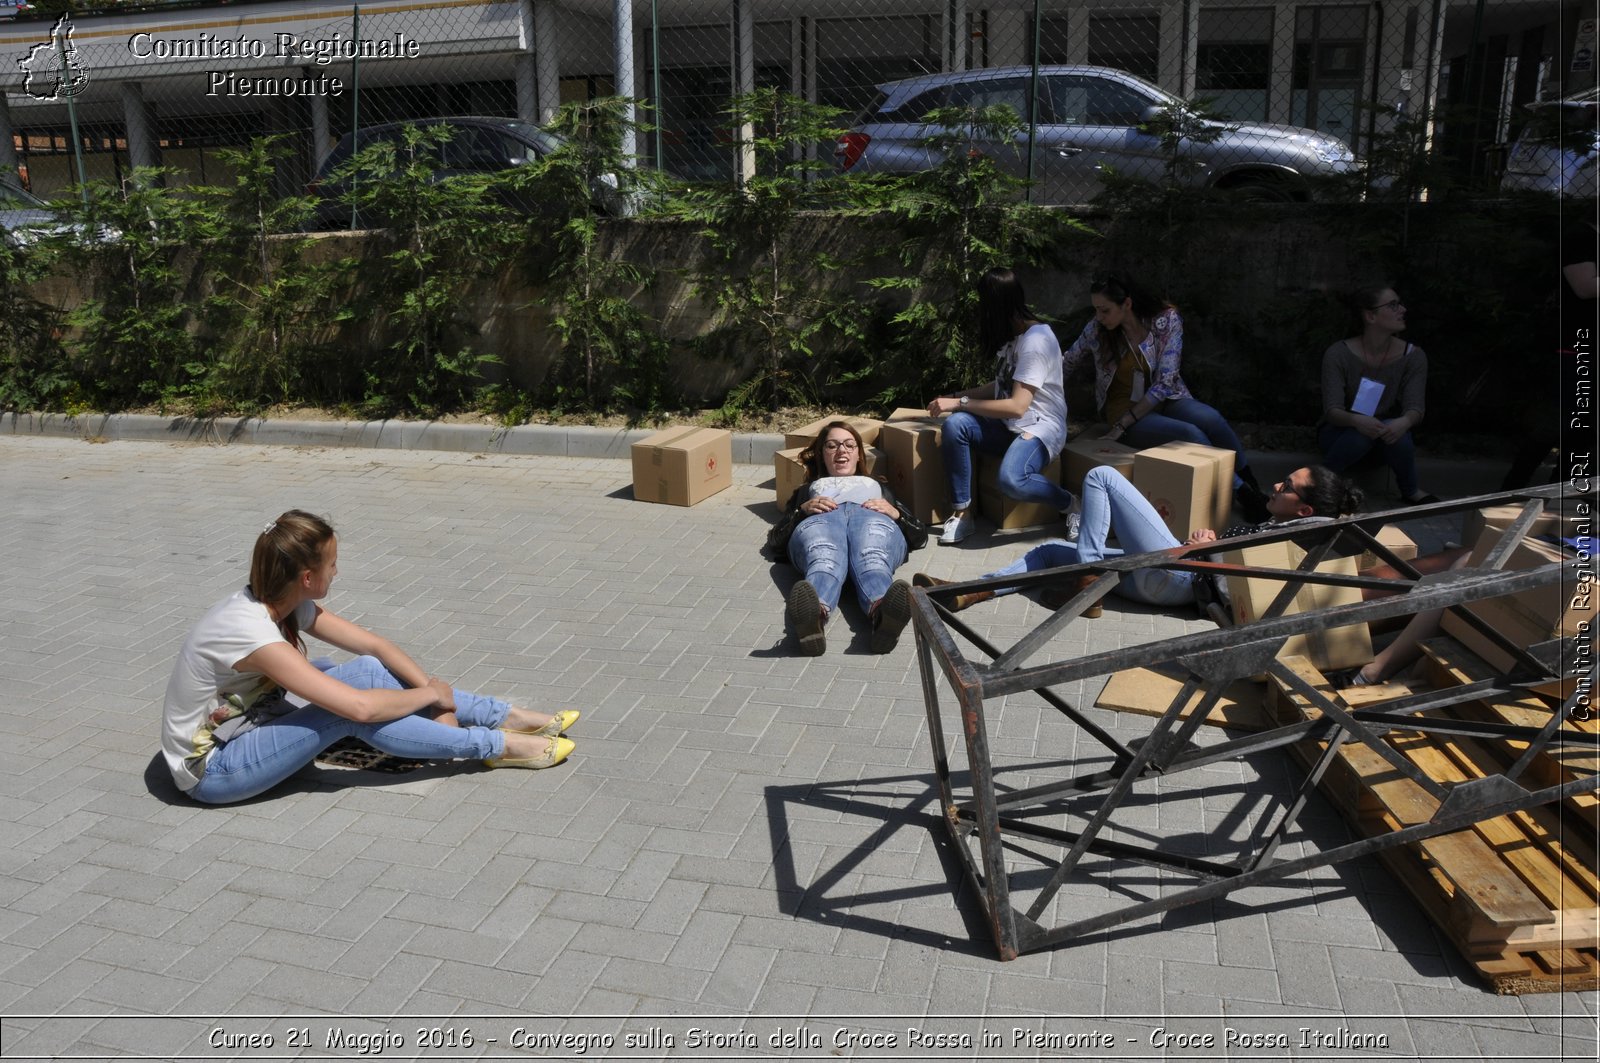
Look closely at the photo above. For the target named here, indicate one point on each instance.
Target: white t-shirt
(203, 679)
(842, 489)
(1034, 358)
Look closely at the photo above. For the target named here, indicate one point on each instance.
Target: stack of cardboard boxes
(1191, 486)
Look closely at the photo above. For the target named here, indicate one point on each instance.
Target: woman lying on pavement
(842, 524)
(1311, 494)
(245, 709)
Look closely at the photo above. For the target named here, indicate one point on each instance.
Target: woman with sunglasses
(1373, 393)
(1135, 342)
(1111, 502)
(842, 524)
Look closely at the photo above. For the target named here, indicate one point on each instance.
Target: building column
(623, 48)
(1009, 30)
(1172, 52)
(1077, 20)
(742, 70)
(546, 61)
(321, 128)
(142, 150)
(8, 133)
(1280, 86)
(955, 35)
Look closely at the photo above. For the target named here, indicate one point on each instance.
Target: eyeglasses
(840, 444)
(1392, 304)
(1287, 487)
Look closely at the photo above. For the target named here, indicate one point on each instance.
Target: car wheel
(1262, 188)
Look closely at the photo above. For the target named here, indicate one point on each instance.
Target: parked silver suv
(1088, 120)
(1559, 148)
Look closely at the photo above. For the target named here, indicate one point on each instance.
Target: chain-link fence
(170, 85)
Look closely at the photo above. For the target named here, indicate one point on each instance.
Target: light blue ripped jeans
(852, 542)
(259, 759)
(1109, 500)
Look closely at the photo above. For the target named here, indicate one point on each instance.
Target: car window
(16, 199)
(914, 109)
(1096, 101)
(484, 150)
(1013, 92)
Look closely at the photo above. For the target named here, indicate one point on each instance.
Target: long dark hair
(1001, 304)
(285, 548)
(1119, 288)
(811, 457)
(1331, 495)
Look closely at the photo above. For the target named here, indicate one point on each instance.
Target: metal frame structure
(1005, 821)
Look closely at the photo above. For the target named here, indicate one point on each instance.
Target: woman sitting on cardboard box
(842, 524)
(1136, 345)
(1021, 415)
(1111, 501)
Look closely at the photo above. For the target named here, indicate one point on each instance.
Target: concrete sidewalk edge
(577, 441)
(1442, 475)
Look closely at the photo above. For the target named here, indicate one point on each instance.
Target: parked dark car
(477, 145)
(1088, 120)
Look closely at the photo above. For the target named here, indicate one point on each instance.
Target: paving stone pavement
(745, 842)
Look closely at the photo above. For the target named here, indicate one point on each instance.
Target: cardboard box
(1344, 647)
(1396, 540)
(1499, 518)
(1178, 484)
(1089, 450)
(1530, 616)
(1221, 482)
(682, 466)
(914, 463)
(788, 473)
(805, 435)
(1009, 513)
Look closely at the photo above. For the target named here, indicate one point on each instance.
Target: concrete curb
(545, 440)
(1446, 476)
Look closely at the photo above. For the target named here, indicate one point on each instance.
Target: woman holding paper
(1135, 342)
(1373, 393)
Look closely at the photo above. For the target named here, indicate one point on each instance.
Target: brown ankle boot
(968, 600)
(960, 601)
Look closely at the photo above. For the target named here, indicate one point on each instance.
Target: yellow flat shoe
(554, 754)
(560, 722)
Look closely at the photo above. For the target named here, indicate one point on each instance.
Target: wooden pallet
(1516, 894)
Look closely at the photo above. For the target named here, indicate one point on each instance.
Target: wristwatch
(963, 400)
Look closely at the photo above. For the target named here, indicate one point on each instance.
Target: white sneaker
(1074, 518)
(956, 529)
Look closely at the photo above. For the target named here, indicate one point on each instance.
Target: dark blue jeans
(1019, 468)
(1344, 447)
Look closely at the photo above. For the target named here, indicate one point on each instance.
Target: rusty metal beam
(1003, 822)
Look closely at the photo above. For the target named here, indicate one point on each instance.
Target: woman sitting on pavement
(1136, 345)
(842, 524)
(245, 709)
(1021, 415)
(1374, 388)
(1111, 501)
